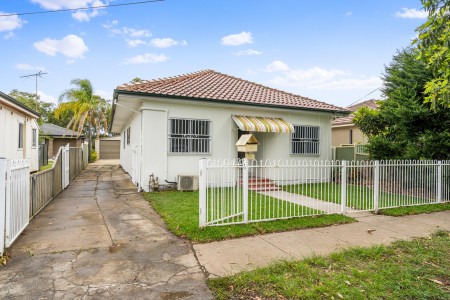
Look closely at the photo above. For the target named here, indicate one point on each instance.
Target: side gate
(66, 165)
(14, 200)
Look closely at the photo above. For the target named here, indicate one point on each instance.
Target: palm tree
(86, 107)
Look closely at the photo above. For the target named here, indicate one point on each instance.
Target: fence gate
(17, 198)
(2, 204)
(66, 165)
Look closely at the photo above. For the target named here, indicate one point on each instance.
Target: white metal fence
(242, 191)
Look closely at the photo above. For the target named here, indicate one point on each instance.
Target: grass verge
(180, 212)
(43, 168)
(414, 210)
(416, 269)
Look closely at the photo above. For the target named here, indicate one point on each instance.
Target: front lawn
(180, 212)
(46, 167)
(417, 269)
(414, 210)
(358, 196)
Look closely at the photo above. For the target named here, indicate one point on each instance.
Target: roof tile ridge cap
(165, 79)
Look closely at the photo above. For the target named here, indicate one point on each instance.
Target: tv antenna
(36, 75)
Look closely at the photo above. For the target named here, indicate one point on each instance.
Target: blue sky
(331, 51)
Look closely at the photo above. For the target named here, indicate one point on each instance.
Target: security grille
(189, 136)
(305, 140)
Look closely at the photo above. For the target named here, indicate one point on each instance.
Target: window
(128, 135)
(34, 138)
(189, 136)
(350, 136)
(305, 140)
(124, 138)
(20, 135)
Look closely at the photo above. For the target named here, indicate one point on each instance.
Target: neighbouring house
(19, 131)
(345, 132)
(56, 137)
(167, 125)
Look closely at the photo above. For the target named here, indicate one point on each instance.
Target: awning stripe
(263, 124)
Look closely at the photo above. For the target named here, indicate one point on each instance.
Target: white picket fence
(243, 191)
(14, 199)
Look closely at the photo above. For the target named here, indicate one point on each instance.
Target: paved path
(326, 206)
(100, 239)
(232, 256)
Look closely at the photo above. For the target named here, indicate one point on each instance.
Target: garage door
(109, 149)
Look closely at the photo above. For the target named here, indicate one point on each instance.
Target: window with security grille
(34, 137)
(305, 140)
(189, 136)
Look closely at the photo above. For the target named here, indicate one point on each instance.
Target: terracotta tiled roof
(373, 104)
(212, 85)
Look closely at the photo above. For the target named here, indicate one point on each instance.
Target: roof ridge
(168, 78)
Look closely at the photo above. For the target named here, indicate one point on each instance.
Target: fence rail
(242, 191)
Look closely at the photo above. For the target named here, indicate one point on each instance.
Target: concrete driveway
(100, 239)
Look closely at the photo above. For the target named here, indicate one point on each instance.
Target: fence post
(2, 203)
(245, 189)
(439, 182)
(33, 195)
(344, 187)
(202, 191)
(376, 185)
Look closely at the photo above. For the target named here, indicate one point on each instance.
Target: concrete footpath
(233, 256)
(100, 239)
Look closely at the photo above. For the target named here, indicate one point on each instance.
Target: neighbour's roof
(55, 130)
(19, 104)
(373, 104)
(214, 86)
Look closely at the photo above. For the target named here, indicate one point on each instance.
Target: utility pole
(36, 75)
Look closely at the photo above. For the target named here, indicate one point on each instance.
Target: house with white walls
(167, 125)
(19, 131)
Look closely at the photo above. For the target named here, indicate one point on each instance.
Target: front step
(261, 184)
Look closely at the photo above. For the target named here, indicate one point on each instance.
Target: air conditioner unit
(187, 183)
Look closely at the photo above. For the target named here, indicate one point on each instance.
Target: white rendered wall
(274, 146)
(135, 142)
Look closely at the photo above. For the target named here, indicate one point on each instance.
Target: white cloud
(276, 66)
(163, 43)
(135, 42)
(349, 13)
(47, 98)
(28, 67)
(237, 39)
(127, 32)
(9, 35)
(411, 13)
(10, 23)
(147, 58)
(247, 52)
(71, 46)
(80, 15)
(324, 79)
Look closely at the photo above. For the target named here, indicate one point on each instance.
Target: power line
(79, 8)
(36, 75)
(365, 96)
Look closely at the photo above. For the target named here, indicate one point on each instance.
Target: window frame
(21, 135)
(305, 140)
(33, 137)
(191, 140)
(128, 135)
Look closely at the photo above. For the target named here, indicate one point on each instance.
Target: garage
(109, 148)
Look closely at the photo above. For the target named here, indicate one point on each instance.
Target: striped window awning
(263, 124)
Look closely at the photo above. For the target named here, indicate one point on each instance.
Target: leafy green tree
(404, 127)
(45, 109)
(433, 44)
(87, 108)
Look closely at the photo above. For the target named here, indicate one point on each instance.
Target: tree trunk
(90, 139)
